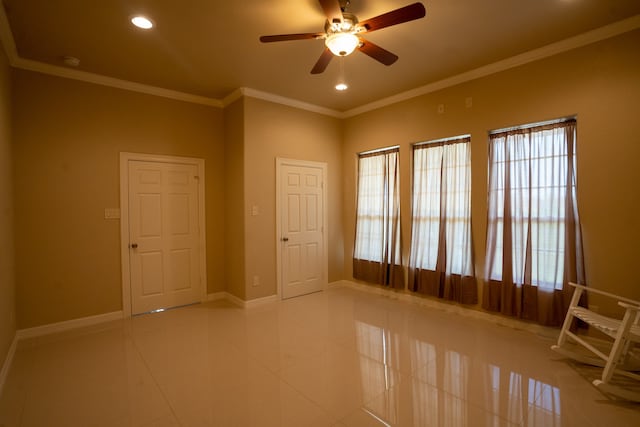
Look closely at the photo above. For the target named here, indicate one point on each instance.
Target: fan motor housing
(348, 24)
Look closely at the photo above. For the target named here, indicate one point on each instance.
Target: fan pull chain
(342, 82)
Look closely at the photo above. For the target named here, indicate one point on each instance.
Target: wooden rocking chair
(624, 332)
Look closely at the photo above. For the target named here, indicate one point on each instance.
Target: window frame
(526, 253)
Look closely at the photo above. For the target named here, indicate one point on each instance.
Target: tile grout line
(155, 381)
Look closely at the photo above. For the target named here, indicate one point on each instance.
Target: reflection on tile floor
(343, 357)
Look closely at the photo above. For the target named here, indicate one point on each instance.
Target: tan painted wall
(67, 136)
(7, 279)
(234, 242)
(600, 83)
(67, 140)
(273, 130)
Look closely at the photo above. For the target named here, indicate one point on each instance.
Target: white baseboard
(542, 331)
(234, 299)
(250, 303)
(403, 296)
(117, 315)
(339, 283)
(215, 296)
(68, 324)
(7, 362)
(261, 301)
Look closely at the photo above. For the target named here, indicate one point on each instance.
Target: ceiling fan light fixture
(342, 44)
(342, 31)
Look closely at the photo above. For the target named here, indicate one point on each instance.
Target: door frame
(280, 162)
(125, 158)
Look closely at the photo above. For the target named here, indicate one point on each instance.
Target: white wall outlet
(468, 102)
(440, 108)
(256, 281)
(111, 213)
(254, 210)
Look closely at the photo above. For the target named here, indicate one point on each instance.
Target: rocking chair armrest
(635, 311)
(607, 294)
(627, 306)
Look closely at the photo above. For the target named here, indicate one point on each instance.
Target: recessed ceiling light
(142, 22)
(342, 87)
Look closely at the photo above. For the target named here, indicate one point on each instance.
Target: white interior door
(163, 221)
(302, 235)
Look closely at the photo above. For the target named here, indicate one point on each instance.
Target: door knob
(285, 239)
(133, 246)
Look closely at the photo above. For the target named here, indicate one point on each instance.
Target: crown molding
(9, 45)
(266, 96)
(69, 73)
(253, 93)
(602, 33)
(232, 97)
(575, 42)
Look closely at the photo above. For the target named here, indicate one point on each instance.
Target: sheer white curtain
(441, 260)
(376, 256)
(534, 245)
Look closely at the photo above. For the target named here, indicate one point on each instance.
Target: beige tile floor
(342, 357)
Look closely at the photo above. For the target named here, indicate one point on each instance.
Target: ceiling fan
(342, 32)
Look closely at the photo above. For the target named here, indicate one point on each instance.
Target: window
(376, 256)
(533, 233)
(441, 261)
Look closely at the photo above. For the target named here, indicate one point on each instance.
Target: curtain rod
(534, 125)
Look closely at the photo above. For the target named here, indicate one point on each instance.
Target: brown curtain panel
(534, 243)
(376, 255)
(441, 260)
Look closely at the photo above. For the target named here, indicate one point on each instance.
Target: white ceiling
(210, 48)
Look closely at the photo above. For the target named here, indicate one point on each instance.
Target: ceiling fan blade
(376, 52)
(332, 11)
(323, 61)
(398, 16)
(285, 37)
